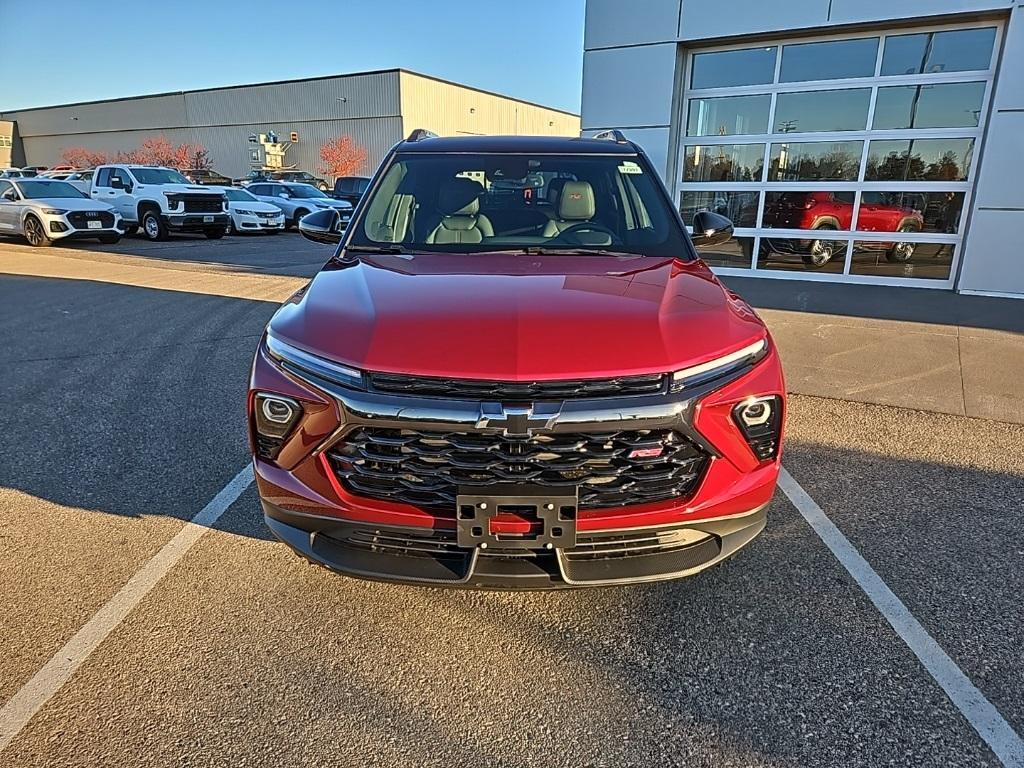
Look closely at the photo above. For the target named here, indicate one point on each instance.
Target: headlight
(720, 366)
(244, 212)
(54, 211)
(299, 362)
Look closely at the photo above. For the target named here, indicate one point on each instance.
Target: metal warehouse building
(862, 141)
(375, 108)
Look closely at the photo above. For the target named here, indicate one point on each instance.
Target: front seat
(575, 206)
(458, 202)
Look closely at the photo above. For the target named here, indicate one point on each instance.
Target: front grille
(474, 389)
(203, 204)
(426, 469)
(81, 219)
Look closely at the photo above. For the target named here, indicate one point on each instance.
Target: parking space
(124, 373)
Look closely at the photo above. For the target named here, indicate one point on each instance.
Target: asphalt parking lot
(124, 374)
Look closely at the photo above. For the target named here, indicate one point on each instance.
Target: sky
(61, 51)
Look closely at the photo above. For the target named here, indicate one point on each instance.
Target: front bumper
(196, 222)
(412, 555)
(258, 223)
(60, 227)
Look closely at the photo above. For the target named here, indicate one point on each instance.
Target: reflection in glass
(919, 160)
(808, 210)
(805, 111)
(739, 207)
(931, 261)
(960, 50)
(937, 212)
(735, 253)
(724, 162)
(724, 69)
(817, 255)
(728, 116)
(815, 160)
(947, 105)
(829, 61)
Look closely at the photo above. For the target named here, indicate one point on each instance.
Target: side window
(103, 178)
(86, 176)
(362, 185)
(258, 189)
(281, 191)
(345, 185)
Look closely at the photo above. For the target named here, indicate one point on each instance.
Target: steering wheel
(587, 226)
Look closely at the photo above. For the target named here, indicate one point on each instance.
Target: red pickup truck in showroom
(516, 373)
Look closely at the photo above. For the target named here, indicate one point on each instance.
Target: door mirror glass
(10, 196)
(710, 229)
(323, 226)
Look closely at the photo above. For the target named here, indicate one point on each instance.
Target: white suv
(160, 200)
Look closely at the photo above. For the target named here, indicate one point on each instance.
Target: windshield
(158, 176)
(304, 191)
(466, 203)
(239, 194)
(36, 190)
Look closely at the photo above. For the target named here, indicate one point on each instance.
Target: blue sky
(59, 51)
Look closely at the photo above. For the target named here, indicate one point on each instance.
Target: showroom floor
(130, 636)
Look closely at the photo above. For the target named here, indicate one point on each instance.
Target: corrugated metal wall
(448, 109)
(376, 109)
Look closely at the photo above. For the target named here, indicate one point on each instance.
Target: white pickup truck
(160, 200)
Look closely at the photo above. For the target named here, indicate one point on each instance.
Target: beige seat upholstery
(458, 202)
(575, 206)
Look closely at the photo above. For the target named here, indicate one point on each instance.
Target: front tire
(901, 253)
(821, 252)
(35, 233)
(153, 226)
(299, 213)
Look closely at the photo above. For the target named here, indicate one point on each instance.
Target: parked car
(45, 210)
(17, 173)
(81, 180)
(206, 176)
(350, 188)
(250, 178)
(160, 200)
(248, 214)
(832, 211)
(296, 200)
(300, 177)
(462, 397)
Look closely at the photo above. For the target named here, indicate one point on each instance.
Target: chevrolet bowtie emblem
(518, 420)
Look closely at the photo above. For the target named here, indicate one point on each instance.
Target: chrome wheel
(151, 226)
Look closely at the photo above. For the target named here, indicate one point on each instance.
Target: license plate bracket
(550, 512)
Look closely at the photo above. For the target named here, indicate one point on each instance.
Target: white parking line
(58, 670)
(978, 710)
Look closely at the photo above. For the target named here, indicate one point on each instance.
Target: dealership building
(376, 109)
(861, 141)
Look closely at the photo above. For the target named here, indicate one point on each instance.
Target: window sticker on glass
(630, 167)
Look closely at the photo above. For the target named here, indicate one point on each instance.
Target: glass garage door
(846, 158)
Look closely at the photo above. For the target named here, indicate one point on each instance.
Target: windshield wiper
(542, 251)
(376, 249)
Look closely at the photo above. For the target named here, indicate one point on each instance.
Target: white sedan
(251, 215)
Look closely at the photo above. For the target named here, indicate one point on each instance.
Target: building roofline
(5, 114)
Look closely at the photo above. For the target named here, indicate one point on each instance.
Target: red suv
(834, 211)
(547, 389)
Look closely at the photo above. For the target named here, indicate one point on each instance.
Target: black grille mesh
(426, 469)
(80, 219)
(506, 390)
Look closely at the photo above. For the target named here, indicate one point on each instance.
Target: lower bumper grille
(426, 469)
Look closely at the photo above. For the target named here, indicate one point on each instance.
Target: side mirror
(10, 196)
(710, 229)
(323, 226)
(117, 182)
(285, 196)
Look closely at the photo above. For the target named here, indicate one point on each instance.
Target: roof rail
(612, 135)
(421, 133)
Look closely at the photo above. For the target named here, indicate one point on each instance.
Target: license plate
(95, 225)
(207, 219)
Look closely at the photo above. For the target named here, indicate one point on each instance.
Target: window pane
(949, 105)
(808, 210)
(937, 212)
(735, 253)
(811, 255)
(739, 207)
(924, 260)
(731, 115)
(806, 111)
(961, 50)
(751, 66)
(919, 160)
(724, 162)
(815, 160)
(829, 61)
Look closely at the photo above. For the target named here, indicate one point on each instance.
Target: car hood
(341, 205)
(187, 189)
(258, 205)
(70, 204)
(517, 317)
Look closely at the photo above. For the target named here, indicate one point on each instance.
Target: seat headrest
(576, 203)
(459, 197)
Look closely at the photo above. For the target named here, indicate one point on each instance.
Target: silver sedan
(45, 210)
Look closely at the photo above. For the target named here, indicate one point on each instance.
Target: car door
(9, 207)
(123, 201)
